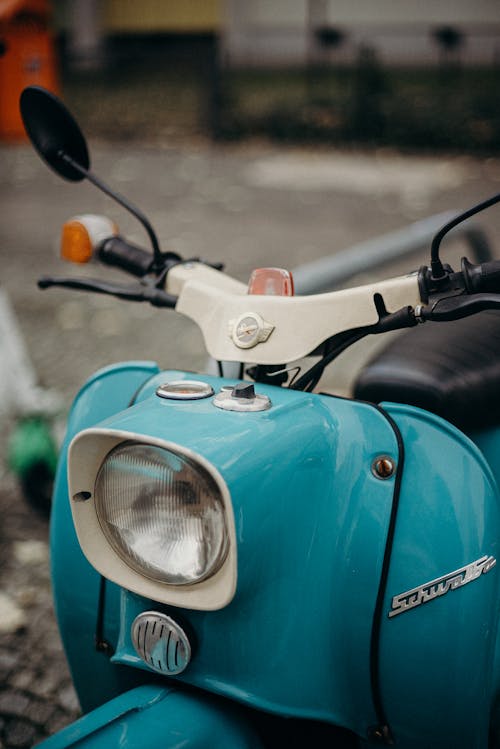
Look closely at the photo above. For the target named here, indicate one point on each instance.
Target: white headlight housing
(153, 517)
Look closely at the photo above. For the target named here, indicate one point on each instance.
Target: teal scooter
(247, 561)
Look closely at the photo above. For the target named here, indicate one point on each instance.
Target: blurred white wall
(281, 32)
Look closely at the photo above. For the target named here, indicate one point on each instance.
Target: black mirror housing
(54, 133)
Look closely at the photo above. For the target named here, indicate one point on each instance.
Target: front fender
(158, 718)
(75, 583)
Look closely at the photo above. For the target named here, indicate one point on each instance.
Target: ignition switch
(241, 397)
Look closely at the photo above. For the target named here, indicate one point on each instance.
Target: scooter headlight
(162, 513)
(154, 517)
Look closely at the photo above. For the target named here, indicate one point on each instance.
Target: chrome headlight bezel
(86, 454)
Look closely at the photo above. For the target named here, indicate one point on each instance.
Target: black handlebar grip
(484, 277)
(119, 253)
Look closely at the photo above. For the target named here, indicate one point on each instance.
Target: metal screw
(381, 735)
(383, 467)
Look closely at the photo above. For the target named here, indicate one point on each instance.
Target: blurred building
(401, 32)
(279, 33)
(96, 31)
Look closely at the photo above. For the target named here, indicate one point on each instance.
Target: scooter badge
(249, 329)
(441, 585)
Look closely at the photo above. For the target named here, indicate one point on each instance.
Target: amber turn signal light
(82, 234)
(75, 243)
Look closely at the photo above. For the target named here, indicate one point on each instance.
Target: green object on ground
(31, 444)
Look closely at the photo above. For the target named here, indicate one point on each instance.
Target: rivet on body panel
(383, 467)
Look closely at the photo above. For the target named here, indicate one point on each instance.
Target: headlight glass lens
(162, 513)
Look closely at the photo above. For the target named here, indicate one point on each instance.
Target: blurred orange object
(27, 58)
(76, 245)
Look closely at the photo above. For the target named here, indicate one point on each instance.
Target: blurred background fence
(409, 75)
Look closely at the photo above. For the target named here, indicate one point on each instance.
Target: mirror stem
(158, 260)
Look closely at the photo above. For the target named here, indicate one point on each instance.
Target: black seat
(451, 369)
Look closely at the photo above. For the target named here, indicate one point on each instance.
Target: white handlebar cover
(259, 329)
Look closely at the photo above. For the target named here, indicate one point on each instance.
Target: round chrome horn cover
(161, 643)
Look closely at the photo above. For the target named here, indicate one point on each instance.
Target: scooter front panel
(308, 506)
(442, 599)
(311, 523)
(75, 583)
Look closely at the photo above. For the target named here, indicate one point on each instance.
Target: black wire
(101, 644)
(436, 265)
(157, 256)
(310, 379)
(375, 673)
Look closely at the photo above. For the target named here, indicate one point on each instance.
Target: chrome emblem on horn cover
(441, 585)
(249, 329)
(161, 643)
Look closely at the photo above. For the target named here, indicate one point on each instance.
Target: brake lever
(456, 307)
(142, 292)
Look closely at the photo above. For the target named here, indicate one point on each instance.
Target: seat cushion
(451, 369)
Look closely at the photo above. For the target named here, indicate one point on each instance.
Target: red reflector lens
(273, 281)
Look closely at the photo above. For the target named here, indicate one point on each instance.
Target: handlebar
(451, 296)
(457, 307)
(118, 252)
(484, 277)
(456, 295)
(145, 292)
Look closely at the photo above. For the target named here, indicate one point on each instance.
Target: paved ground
(36, 695)
(247, 206)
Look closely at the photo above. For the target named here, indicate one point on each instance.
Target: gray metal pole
(85, 35)
(329, 272)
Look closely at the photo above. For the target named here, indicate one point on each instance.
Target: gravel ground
(252, 206)
(36, 694)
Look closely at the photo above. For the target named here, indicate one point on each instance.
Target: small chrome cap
(161, 643)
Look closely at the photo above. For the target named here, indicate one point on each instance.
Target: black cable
(436, 265)
(310, 379)
(101, 644)
(383, 731)
(139, 215)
